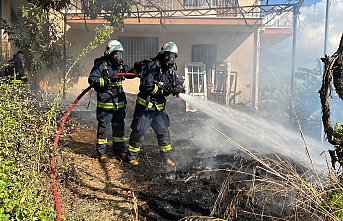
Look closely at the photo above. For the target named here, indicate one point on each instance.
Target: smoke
(251, 132)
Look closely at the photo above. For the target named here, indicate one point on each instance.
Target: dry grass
(273, 188)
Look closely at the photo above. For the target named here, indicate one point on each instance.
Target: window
(206, 53)
(200, 2)
(209, 2)
(138, 48)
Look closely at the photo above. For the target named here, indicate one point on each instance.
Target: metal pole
(256, 68)
(295, 23)
(326, 30)
(326, 25)
(64, 50)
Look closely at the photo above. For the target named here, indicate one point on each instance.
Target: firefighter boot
(120, 156)
(103, 158)
(166, 156)
(169, 162)
(132, 158)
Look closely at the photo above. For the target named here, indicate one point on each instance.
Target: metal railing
(172, 8)
(243, 9)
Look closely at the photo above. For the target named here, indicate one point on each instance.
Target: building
(220, 41)
(7, 12)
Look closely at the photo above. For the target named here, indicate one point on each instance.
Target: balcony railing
(247, 9)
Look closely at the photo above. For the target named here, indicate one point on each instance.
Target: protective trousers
(142, 120)
(110, 119)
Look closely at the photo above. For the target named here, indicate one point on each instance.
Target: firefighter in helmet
(111, 99)
(157, 81)
(16, 69)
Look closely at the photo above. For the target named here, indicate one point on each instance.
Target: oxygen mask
(118, 57)
(169, 58)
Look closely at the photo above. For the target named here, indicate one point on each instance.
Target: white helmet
(112, 46)
(169, 47)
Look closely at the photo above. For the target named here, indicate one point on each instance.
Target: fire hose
(64, 119)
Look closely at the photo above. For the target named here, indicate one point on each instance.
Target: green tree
(274, 97)
(306, 85)
(40, 37)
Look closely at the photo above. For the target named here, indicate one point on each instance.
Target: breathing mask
(118, 56)
(169, 58)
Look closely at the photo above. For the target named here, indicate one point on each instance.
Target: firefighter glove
(115, 79)
(177, 90)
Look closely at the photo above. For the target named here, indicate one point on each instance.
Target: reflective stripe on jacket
(110, 95)
(108, 105)
(149, 104)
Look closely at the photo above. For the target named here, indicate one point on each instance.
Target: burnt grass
(196, 186)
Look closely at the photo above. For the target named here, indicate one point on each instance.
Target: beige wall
(6, 9)
(242, 61)
(6, 46)
(236, 48)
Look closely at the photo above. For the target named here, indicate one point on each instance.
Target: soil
(90, 190)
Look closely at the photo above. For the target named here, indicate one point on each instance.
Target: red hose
(54, 186)
(131, 75)
(53, 180)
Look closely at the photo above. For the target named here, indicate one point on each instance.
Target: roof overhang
(272, 36)
(176, 24)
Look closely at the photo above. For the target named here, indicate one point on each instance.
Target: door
(195, 81)
(218, 84)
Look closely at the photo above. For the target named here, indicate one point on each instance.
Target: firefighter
(16, 69)
(157, 81)
(111, 100)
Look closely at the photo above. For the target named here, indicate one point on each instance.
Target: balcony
(241, 12)
(181, 8)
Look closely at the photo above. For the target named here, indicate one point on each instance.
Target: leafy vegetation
(275, 98)
(26, 131)
(40, 37)
(24, 161)
(112, 10)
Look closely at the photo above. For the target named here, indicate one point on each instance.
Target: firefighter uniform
(150, 107)
(16, 69)
(111, 101)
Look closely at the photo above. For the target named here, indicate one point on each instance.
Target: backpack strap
(105, 72)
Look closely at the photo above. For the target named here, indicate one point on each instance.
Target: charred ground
(118, 191)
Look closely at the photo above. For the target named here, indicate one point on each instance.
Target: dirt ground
(117, 191)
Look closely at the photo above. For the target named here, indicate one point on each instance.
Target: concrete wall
(233, 47)
(242, 61)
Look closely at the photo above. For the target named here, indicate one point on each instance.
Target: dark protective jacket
(150, 94)
(110, 93)
(16, 70)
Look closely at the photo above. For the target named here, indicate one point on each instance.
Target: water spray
(266, 136)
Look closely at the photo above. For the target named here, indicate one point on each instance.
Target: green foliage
(335, 202)
(40, 37)
(26, 131)
(113, 10)
(24, 194)
(274, 97)
(42, 40)
(57, 5)
(307, 82)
